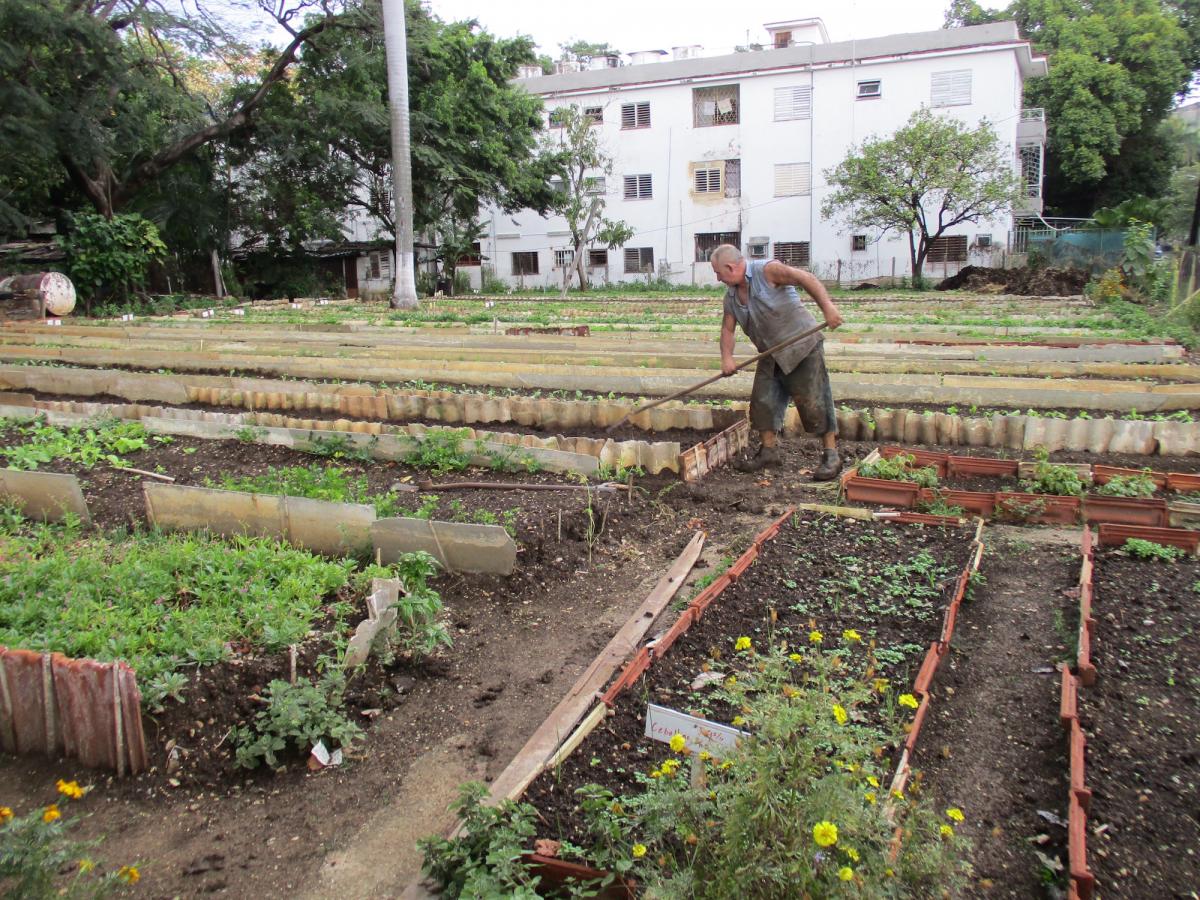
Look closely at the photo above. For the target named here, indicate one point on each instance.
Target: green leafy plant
(1140, 485)
(107, 442)
(296, 715)
(939, 506)
(338, 446)
(900, 468)
(1143, 549)
(110, 255)
(1051, 478)
(441, 451)
(1014, 510)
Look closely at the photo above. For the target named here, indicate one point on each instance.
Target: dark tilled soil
(993, 744)
(1030, 282)
(787, 577)
(1141, 721)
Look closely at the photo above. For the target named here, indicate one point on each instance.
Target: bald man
(762, 299)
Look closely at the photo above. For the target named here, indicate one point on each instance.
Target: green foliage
(939, 506)
(333, 483)
(107, 442)
(158, 602)
(337, 446)
(110, 256)
(1141, 485)
(441, 450)
(1143, 549)
(486, 859)
(296, 715)
(934, 169)
(1107, 287)
(1115, 69)
(899, 468)
(417, 632)
(1050, 478)
(36, 851)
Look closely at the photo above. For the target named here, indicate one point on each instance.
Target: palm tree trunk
(404, 295)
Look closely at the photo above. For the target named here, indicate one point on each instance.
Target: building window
(758, 247)
(525, 262)
(596, 114)
(794, 253)
(558, 117)
(983, 242)
(1030, 158)
(783, 39)
(793, 179)
(635, 115)
(639, 260)
(869, 89)
(793, 103)
(733, 178)
(947, 248)
(951, 88)
(597, 259)
(858, 242)
(379, 264)
(707, 180)
(563, 258)
(637, 187)
(707, 243)
(474, 258)
(715, 105)
(593, 185)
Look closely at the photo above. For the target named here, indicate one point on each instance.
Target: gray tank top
(772, 315)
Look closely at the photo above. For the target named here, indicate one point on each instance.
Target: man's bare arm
(779, 274)
(728, 339)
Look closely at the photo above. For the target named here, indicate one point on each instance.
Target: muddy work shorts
(807, 385)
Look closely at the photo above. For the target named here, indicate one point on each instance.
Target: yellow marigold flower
(639, 850)
(705, 756)
(732, 679)
(129, 874)
(890, 873)
(854, 767)
(795, 657)
(742, 643)
(845, 873)
(880, 685)
(51, 813)
(869, 797)
(790, 692)
(86, 865)
(815, 637)
(669, 766)
(6, 813)
(678, 742)
(872, 781)
(851, 635)
(955, 813)
(908, 700)
(656, 774)
(898, 794)
(70, 789)
(738, 721)
(839, 713)
(725, 766)
(825, 834)
(852, 853)
(946, 831)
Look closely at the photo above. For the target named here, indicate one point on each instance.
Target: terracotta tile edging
(1082, 882)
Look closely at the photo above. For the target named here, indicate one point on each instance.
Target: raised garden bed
(1132, 814)
(892, 606)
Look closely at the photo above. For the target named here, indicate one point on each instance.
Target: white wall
(669, 221)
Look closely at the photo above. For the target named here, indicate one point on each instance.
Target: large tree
(101, 95)
(933, 174)
(325, 140)
(1115, 68)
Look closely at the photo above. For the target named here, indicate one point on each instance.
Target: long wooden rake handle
(707, 381)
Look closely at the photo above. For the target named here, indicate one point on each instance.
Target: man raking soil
(762, 299)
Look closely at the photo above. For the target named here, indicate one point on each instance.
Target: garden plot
(1140, 721)
(1035, 490)
(835, 616)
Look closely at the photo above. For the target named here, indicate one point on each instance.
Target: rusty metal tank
(52, 292)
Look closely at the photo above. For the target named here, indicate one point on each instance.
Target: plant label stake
(663, 723)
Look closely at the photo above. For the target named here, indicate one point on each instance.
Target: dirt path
(994, 745)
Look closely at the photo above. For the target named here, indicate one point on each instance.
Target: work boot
(831, 464)
(764, 458)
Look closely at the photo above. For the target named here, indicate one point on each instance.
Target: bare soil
(993, 744)
(1023, 281)
(1140, 718)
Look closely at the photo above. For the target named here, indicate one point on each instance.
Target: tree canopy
(934, 173)
(1115, 68)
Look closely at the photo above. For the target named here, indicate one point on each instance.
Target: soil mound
(1025, 281)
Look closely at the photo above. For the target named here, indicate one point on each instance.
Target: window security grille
(950, 88)
(639, 260)
(793, 103)
(794, 253)
(637, 187)
(635, 115)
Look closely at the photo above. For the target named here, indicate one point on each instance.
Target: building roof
(858, 51)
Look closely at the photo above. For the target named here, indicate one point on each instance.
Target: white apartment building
(732, 148)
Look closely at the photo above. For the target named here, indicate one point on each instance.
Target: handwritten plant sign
(663, 723)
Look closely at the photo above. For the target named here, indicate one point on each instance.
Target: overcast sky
(718, 26)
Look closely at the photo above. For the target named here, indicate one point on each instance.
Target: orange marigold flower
(129, 874)
(51, 813)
